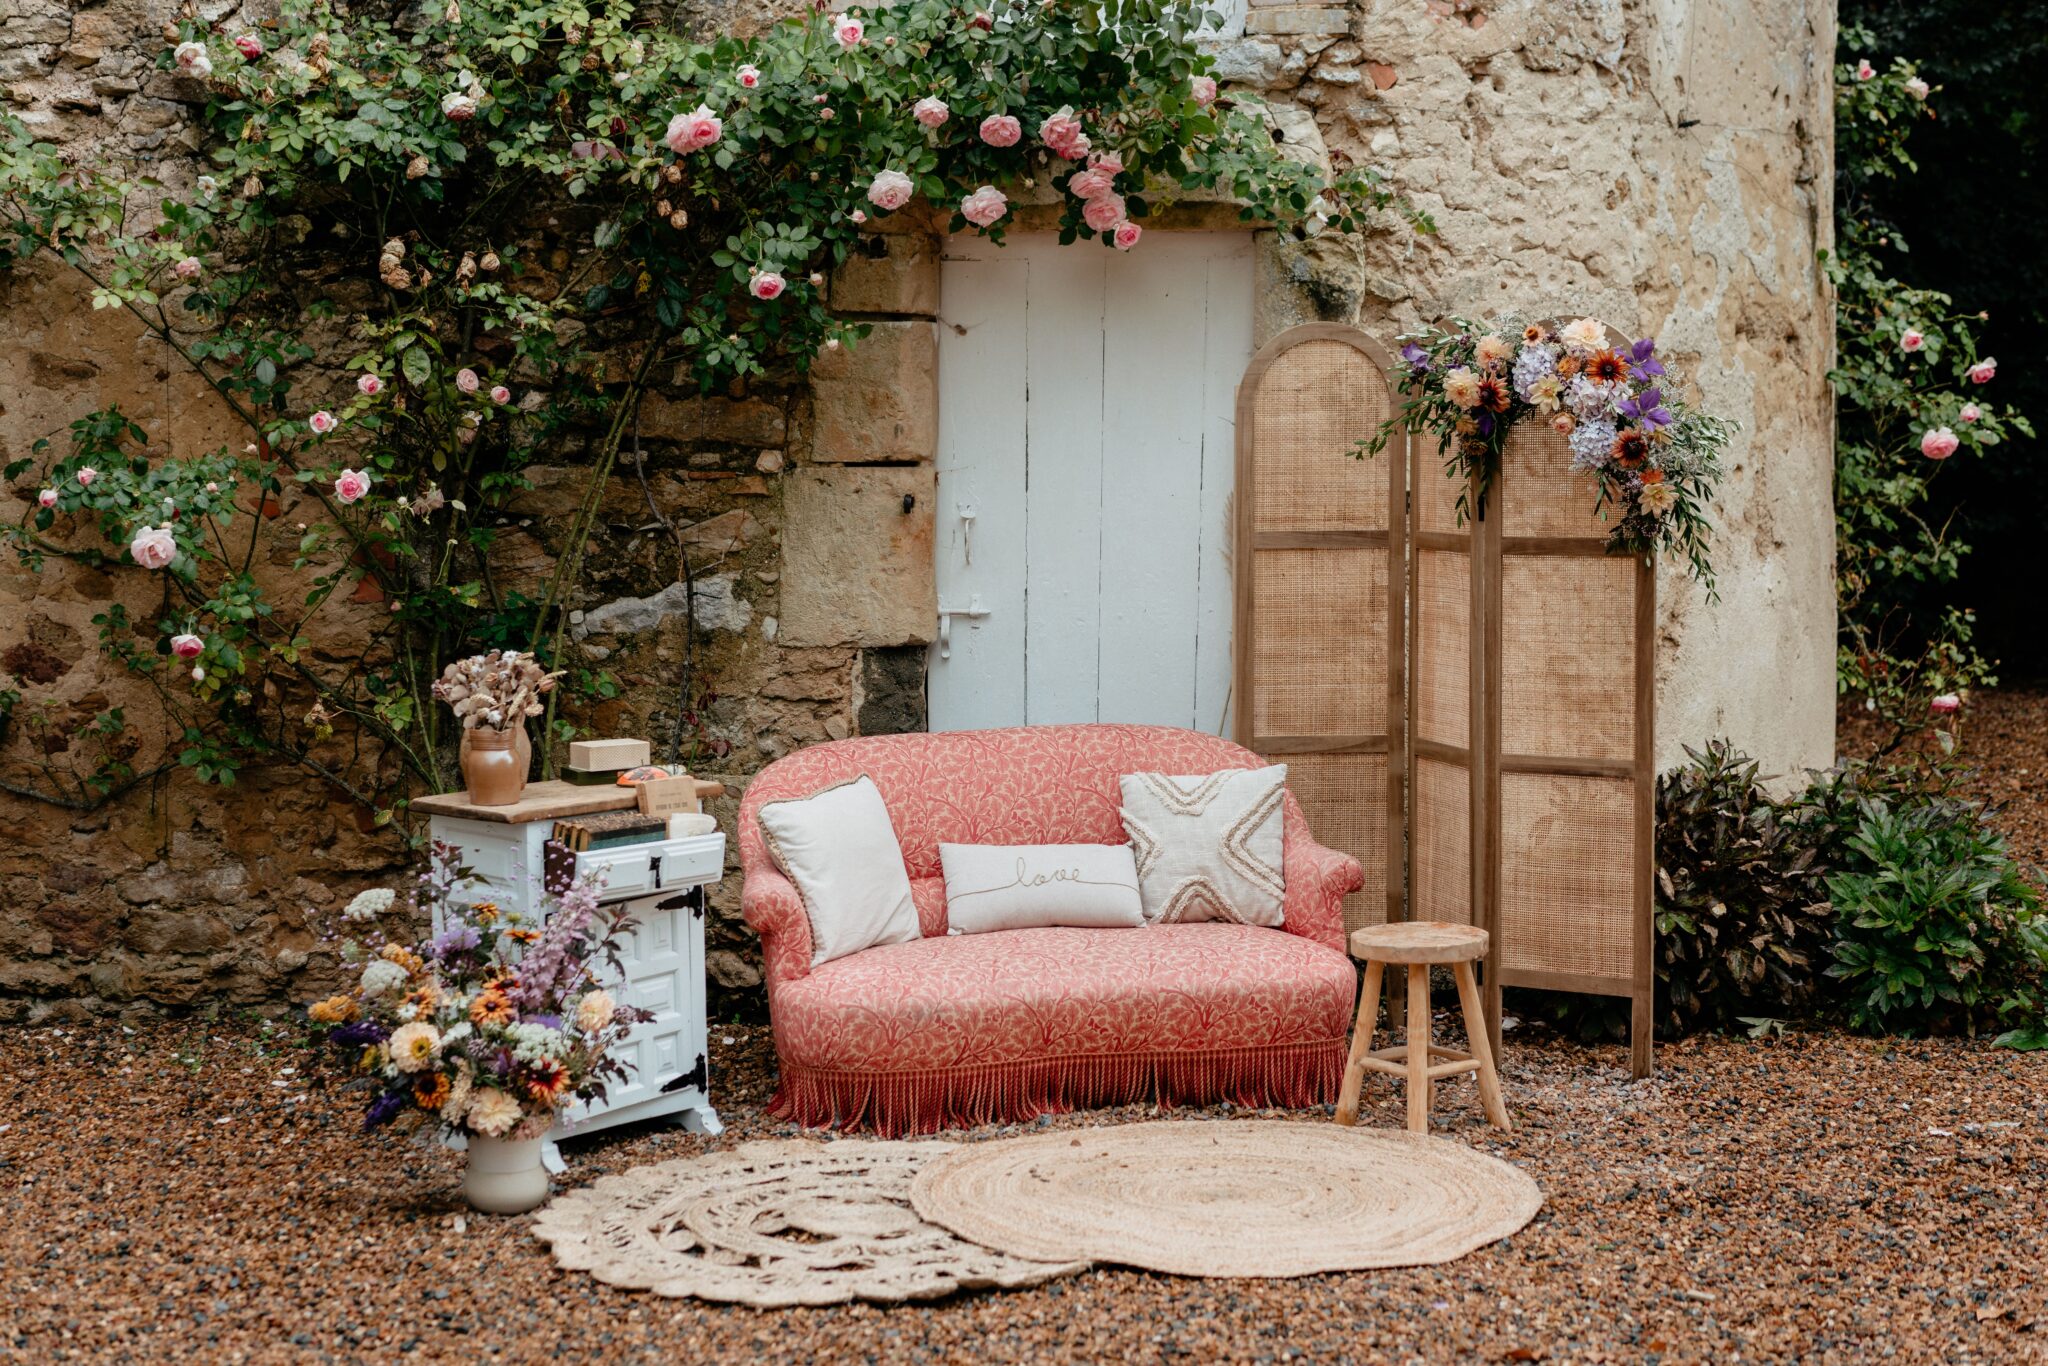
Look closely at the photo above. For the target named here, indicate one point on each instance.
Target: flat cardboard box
(612, 754)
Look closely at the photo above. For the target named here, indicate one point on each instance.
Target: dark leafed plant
(1742, 909)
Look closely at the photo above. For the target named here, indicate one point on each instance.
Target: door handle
(974, 611)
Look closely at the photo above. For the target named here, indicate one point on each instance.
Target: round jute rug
(1227, 1197)
(777, 1223)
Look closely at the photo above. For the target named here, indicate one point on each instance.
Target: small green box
(591, 777)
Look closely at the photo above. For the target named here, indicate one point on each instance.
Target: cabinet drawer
(638, 869)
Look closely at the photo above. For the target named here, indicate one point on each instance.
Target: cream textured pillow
(1028, 886)
(1208, 846)
(838, 848)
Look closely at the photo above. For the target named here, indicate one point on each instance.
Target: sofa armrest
(771, 904)
(1318, 880)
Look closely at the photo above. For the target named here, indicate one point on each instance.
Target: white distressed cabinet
(660, 885)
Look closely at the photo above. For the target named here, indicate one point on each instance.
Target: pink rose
(1001, 130)
(153, 547)
(767, 285)
(1562, 424)
(187, 646)
(1091, 183)
(984, 206)
(1864, 70)
(1912, 340)
(500, 394)
(212, 487)
(250, 46)
(369, 385)
(1939, 444)
(890, 190)
(849, 30)
(698, 128)
(931, 111)
(199, 672)
(1971, 412)
(1111, 162)
(859, 216)
(1917, 88)
(1103, 212)
(1946, 703)
(1205, 89)
(749, 76)
(466, 380)
(1061, 131)
(984, 21)
(47, 498)
(350, 485)
(1983, 370)
(86, 474)
(1126, 236)
(322, 422)
(187, 269)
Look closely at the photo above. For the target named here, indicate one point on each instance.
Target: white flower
(533, 1042)
(458, 105)
(369, 905)
(458, 1092)
(1584, 336)
(193, 61)
(382, 978)
(594, 1012)
(493, 1113)
(1917, 88)
(415, 1047)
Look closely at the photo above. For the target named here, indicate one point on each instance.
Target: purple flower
(1483, 420)
(1643, 354)
(455, 939)
(1417, 358)
(383, 1109)
(1647, 408)
(361, 1034)
(547, 1021)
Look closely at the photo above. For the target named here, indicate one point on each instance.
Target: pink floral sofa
(967, 1029)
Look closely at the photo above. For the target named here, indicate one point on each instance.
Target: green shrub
(1742, 910)
(1935, 926)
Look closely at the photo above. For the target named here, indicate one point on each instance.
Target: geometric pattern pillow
(1208, 847)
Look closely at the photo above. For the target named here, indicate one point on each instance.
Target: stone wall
(1662, 163)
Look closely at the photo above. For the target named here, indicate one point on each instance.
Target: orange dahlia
(1653, 476)
(1605, 367)
(404, 957)
(544, 1081)
(333, 1010)
(1493, 393)
(491, 1007)
(1631, 448)
(430, 1092)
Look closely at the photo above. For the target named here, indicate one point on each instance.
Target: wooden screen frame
(1490, 549)
(1246, 541)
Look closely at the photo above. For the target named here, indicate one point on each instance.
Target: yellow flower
(1543, 393)
(431, 1091)
(372, 1059)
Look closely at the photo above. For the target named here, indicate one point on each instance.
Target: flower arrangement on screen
(1655, 458)
(490, 1026)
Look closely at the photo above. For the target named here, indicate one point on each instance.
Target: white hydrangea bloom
(533, 1042)
(369, 905)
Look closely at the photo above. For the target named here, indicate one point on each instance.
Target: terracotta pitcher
(492, 768)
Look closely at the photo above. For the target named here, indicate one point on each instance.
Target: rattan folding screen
(1318, 633)
(1529, 663)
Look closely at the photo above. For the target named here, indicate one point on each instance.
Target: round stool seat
(1419, 942)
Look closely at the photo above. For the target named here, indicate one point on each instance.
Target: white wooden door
(1085, 468)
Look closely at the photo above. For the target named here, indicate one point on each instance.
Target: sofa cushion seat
(1035, 995)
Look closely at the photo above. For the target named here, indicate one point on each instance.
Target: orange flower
(1653, 476)
(404, 957)
(491, 1007)
(522, 936)
(1567, 366)
(333, 1010)
(1534, 333)
(1493, 393)
(484, 911)
(544, 1082)
(424, 1001)
(1631, 448)
(431, 1091)
(1605, 367)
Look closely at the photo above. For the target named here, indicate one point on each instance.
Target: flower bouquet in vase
(492, 695)
(488, 1028)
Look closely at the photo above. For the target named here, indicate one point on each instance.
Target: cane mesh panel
(1440, 843)
(1568, 656)
(1345, 799)
(1315, 403)
(1440, 673)
(1567, 890)
(1540, 494)
(1319, 630)
(1434, 492)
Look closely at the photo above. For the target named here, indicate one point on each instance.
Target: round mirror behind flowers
(489, 1028)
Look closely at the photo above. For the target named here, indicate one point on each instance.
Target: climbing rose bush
(390, 172)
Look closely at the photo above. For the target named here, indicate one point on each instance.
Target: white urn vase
(505, 1175)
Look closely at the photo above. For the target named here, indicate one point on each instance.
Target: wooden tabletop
(549, 801)
(1419, 941)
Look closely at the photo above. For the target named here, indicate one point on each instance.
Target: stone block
(878, 399)
(891, 699)
(889, 273)
(737, 422)
(1297, 19)
(856, 562)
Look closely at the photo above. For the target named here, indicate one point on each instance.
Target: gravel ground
(191, 1191)
(185, 1192)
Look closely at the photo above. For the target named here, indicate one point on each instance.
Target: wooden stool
(1420, 944)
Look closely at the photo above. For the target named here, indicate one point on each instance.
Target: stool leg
(1361, 1044)
(1482, 1050)
(1418, 1048)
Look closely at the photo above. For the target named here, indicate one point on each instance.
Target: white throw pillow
(1209, 847)
(838, 848)
(1028, 886)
